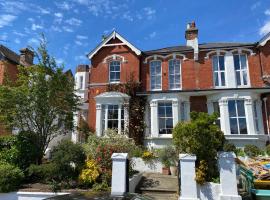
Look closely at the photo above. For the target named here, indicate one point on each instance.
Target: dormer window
(114, 73)
(240, 67)
(155, 74)
(219, 70)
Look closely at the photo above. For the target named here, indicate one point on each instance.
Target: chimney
(26, 57)
(191, 36)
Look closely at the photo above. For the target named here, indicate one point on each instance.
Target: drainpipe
(266, 115)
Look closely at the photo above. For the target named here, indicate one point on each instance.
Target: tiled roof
(224, 45)
(9, 54)
(201, 46)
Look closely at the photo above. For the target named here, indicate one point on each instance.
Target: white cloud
(265, 28)
(153, 34)
(255, 5)
(149, 13)
(19, 34)
(81, 37)
(56, 28)
(73, 21)
(59, 15)
(68, 29)
(79, 43)
(81, 58)
(43, 10)
(267, 12)
(64, 5)
(59, 61)
(17, 41)
(13, 7)
(36, 27)
(33, 41)
(6, 20)
(128, 16)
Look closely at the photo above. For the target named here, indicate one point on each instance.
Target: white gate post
(228, 176)
(187, 173)
(119, 173)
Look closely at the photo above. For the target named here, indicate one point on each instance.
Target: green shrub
(8, 151)
(267, 149)
(240, 152)
(11, 177)
(42, 173)
(229, 147)
(69, 159)
(252, 150)
(168, 156)
(200, 137)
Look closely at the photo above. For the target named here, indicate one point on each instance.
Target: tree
(41, 101)
(202, 137)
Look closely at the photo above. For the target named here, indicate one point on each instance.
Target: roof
(9, 54)
(185, 48)
(264, 40)
(113, 35)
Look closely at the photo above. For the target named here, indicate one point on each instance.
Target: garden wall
(153, 167)
(28, 195)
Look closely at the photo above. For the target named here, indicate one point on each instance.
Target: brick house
(229, 78)
(9, 61)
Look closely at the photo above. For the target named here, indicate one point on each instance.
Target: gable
(114, 39)
(264, 40)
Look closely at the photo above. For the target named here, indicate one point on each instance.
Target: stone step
(161, 196)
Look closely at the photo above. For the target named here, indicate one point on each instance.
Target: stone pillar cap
(119, 156)
(188, 157)
(224, 154)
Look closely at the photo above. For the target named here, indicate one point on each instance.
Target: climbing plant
(136, 107)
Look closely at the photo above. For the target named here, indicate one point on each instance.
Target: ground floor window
(165, 117)
(113, 117)
(237, 117)
(217, 111)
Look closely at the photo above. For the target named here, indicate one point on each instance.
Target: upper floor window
(165, 117)
(174, 74)
(240, 67)
(155, 73)
(114, 71)
(219, 71)
(81, 82)
(237, 117)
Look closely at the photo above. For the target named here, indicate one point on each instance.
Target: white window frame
(219, 72)
(165, 117)
(120, 120)
(256, 116)
(113, 81)
(218, 112)
(153, 89)
(174, 75)
(80, 82)
(237, 117)
(241, 70)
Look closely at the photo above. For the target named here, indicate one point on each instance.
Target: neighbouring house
(231, 79)
(9, 61)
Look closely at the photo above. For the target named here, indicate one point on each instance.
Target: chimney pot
(191, 36)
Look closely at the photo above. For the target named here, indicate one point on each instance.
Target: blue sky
(74, 27)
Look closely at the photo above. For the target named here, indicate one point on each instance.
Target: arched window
(114, 71)
(240, 67)
(174, 74)
(155, 74)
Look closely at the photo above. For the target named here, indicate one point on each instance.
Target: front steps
(158, 186)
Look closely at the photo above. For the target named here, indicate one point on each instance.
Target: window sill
(155, 89)
(175, 88)
(116, 82)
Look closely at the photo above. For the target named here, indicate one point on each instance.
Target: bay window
(114, 71)
(237, 117)
(174, 74)
(240, 67)
(155, 74)
(165, 117)
(218, 70)
(113, 117)
(256, 116)
(217, 110)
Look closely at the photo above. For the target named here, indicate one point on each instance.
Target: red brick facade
(196, 75)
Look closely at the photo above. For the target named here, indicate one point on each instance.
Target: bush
(90, 173)
(69, 159)
(8, 151)
(201, 137)
(11, 177)
(148, 156)
(42, 173)
(229, 147)
(252, 150)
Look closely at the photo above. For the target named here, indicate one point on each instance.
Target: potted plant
(165, 160)
(173, 159)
